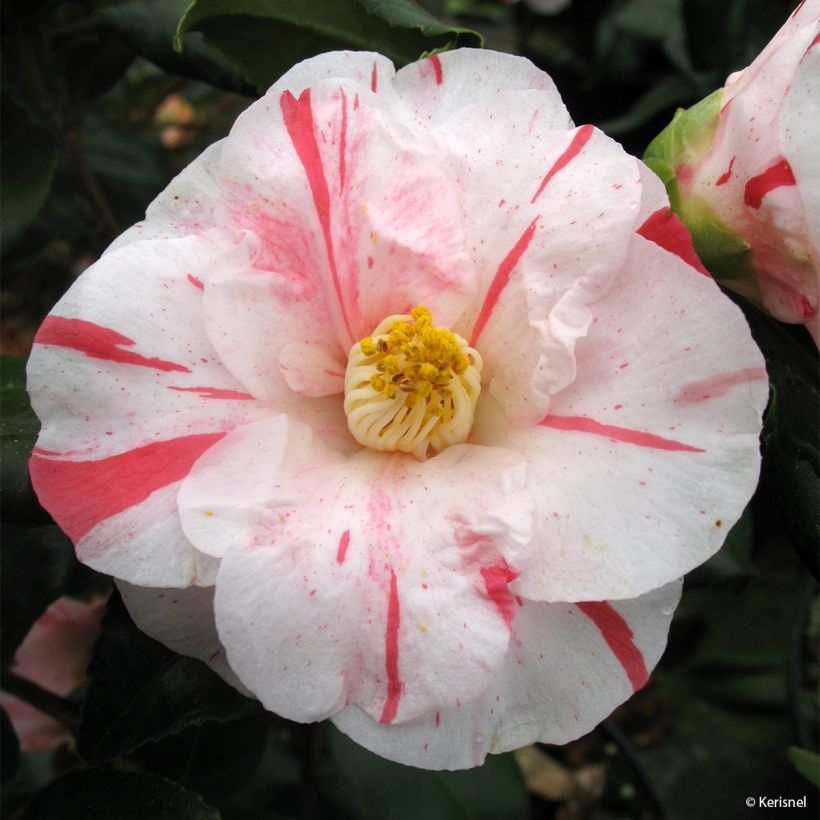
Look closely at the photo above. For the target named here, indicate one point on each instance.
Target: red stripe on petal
(501, 278)
(374, 79)
(496, 582)
(712, 388)
(581, 138)
(81, 494)
(665, 229)
(215, 393)
(197, 283)
(778, 175)
(344, 543)
(582, 424)
(391, 651)
(619, 638)
(298, 117)
(97, 342)
(437, 70)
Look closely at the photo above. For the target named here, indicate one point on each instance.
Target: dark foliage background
(100, 111)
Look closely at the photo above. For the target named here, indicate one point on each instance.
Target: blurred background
(99, 112)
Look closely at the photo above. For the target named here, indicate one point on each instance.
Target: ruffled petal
(548, 216)
(645, 462)
(375, 580)
(128, 400)
(568, 667)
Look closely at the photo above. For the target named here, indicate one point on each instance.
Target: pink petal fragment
(665, 229)
(97, 342)
(391, 652)
(581, 424)
(81, 494)
(580, 139)
(619, 638)
(778, 175)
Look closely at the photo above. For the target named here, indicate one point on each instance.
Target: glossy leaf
(148, 26)
(18, 433)
(380, 790)
(263, 38)
(141, 691)
(113, 795)
(28, 161)
(807, 763)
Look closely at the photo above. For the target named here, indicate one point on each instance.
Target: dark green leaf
(668, 91)
(9, 747)
(38, 566)
(807, 763)
(110, 795)
(18, 433)
(28, 161)
(148, 26)
(141, 691)
(264, 38)
(380, 790)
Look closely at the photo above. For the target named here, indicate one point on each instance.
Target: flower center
(411, 386)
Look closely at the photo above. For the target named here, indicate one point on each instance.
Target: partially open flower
(402, 383)
(54, 655)
(743, 168)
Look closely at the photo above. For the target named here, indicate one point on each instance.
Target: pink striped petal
(646, 460)
(308, 175)
(374, 580)
(568, 667)
(548, 216)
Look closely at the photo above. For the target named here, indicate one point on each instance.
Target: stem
(92, 186)
(60, 709)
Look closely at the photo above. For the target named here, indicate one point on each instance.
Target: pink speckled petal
(376, 580)
(548, 216)
(568, 667)
(355, 214)
(128, 400)
(645, 462)
(434, 89)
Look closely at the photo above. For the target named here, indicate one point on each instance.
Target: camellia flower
(407, 390)
(54, 655)
(743, 168)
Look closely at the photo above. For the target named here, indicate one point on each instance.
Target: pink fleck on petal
(344, 543)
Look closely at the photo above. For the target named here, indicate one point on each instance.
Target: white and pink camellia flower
(405, 388)
(755, 178)
(54, 655)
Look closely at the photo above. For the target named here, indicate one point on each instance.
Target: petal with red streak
(402, 618)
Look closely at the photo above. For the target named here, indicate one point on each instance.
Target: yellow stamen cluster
(411, 386)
